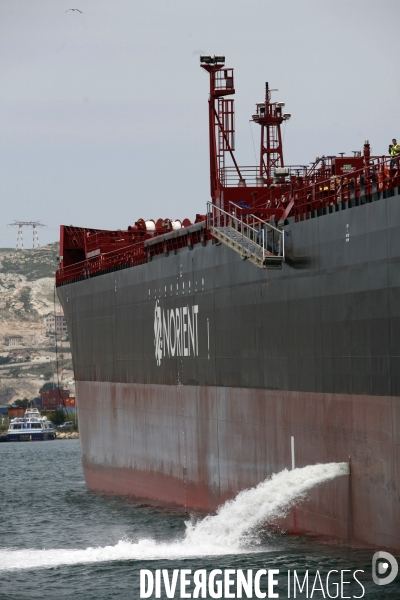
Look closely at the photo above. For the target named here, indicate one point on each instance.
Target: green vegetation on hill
(57, 417)
(33, 263)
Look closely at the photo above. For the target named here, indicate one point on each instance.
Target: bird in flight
(75, 9)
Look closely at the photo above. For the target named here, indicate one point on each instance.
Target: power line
(34, 225)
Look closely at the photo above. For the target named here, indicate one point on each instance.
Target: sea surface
(57, 540)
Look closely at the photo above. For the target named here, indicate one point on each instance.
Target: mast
(269, 115)
(248, 186)
(220, 120)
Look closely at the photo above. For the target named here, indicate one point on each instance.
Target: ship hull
(195, 371)
(199, 446)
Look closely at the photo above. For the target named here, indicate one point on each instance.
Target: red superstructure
(270, 191)
(222, 138)
(85, 252)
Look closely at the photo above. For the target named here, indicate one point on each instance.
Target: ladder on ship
(254, 239)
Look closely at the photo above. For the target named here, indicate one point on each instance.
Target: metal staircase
(255, 240)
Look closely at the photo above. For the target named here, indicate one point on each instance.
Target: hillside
(27, 294)
(26, 285)
(34, 264)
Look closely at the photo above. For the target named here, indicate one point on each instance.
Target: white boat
(32, 427)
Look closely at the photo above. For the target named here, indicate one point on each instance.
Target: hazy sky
(103, 115)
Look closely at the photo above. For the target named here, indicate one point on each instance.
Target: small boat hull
(40, 436)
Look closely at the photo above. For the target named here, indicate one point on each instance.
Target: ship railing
(379, 177)
(130, 256)
(316, 173)
(251, 176)
(318, 191)
(254, 239)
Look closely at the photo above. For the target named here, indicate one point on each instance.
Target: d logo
(380, 568)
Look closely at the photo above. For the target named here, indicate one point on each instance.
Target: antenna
(34, 225)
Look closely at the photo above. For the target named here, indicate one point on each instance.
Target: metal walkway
(255, 240)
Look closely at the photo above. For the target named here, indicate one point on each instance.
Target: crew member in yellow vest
(394, 148)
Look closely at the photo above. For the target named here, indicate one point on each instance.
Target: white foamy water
(232, 530)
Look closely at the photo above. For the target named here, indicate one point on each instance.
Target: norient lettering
(263, 583)
(175, 332)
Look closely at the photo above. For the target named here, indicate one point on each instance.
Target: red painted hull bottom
(196, 447)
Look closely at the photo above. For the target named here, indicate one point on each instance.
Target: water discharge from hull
(232, 530)
(236, 521)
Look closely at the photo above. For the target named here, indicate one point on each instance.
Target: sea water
(57, 539)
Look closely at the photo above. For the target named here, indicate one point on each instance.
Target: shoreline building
(56, 323)
(14, 341)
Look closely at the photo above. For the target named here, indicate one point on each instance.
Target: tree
(22, 403)
(50, 386)
(57, 417)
